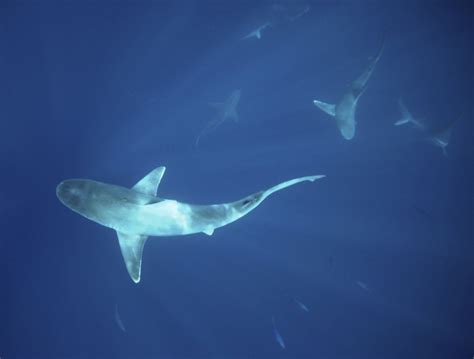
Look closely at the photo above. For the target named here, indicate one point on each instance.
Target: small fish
(118, 320)
(278, 337)
(301, 305)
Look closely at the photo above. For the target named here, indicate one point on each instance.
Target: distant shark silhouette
(438, 136)
(225, 110)
(137, 213)
(344, 111)
(257, 33)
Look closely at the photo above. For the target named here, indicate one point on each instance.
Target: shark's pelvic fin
(330, 109)
(131, 246)
(149, 184)
(209, 231)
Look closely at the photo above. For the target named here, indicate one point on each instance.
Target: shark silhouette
(225, 110)
(439, 136)
(344, 111)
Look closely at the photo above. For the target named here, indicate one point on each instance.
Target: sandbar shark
(137, 213)
(225, 110)
(439, 136)
(344, 111)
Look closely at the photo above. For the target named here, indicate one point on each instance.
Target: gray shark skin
(137, 213)
(225, 110)
(257, 33)
(344, 111)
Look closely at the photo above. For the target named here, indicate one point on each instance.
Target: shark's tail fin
(330, 109)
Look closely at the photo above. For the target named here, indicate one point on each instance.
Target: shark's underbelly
(173, 218)
(345, 116)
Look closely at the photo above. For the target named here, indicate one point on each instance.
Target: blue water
(380, 251)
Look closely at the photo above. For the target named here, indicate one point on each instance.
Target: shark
(137, 213)
(407, 117)
(344, 111)
(439, 136)
(257, 33)
(225, 110)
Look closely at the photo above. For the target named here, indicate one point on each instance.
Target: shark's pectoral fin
(149, 184)
(131, 246)
(330, 109)
(209, 231)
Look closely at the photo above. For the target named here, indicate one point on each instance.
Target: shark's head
(74, 194)
(348, 130)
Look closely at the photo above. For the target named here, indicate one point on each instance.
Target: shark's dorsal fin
(149, 184)
(131, 246)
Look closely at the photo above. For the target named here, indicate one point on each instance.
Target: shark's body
(138, 213)
(257, 33)
(225, 110)
(344, 111)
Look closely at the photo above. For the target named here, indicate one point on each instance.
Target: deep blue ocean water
(380, 251)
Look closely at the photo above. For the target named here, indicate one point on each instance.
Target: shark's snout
(69, 192)
(348, 132)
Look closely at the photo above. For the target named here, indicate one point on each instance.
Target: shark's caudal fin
(132, 245)
(289, 183)
(330, 109)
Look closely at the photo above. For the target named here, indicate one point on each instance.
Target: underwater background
(380, 252)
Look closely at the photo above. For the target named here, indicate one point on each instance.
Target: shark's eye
(246, 202)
